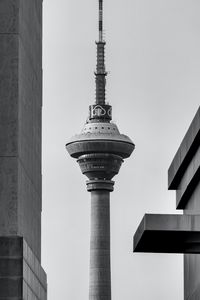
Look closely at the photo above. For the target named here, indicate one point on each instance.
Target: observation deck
(100, 149)
(100, 137)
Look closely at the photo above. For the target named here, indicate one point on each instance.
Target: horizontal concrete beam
(184, 155)
(189, 181)
(168, 234)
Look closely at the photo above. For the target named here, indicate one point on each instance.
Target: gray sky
(152, 54)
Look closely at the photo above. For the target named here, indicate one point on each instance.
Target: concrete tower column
(100, 269)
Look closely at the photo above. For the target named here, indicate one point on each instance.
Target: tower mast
(100, 20)
(100, 150)
(100, 73)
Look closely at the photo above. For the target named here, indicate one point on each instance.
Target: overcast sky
(153, 59)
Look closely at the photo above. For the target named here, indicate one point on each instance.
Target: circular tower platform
(100, 149)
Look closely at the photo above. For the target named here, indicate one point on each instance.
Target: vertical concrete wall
(20, 120)
(9, 44)
(29, 122)
(192, 261)
(184, 177)
(21, 275)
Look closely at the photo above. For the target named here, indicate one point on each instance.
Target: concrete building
(21, 274)
(100, 150)
(179, 233)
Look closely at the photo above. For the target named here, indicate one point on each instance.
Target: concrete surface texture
(21, 274)
(100, 275)
(186, 164)
(20, 122)
(179, 233)
(192, 207)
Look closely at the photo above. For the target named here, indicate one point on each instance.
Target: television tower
(100, 150)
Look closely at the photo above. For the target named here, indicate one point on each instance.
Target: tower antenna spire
(100, 20)
(100, 67)
(100, 111)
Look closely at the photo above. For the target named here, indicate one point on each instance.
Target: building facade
(179, 233)
(21, 274)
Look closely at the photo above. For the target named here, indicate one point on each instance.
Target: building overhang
(184, 171)
(168, 234)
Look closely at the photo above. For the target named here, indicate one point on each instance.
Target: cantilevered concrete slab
(168, 234)
(184, 171)
(179, 233)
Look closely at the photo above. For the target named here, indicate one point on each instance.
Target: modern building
(21, 274)
(179, 233)
(100, 150)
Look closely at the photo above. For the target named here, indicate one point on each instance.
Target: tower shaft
(100, 272)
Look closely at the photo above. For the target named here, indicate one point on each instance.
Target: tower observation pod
(100, 150)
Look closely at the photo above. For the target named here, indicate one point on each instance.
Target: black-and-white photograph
(99, 150)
